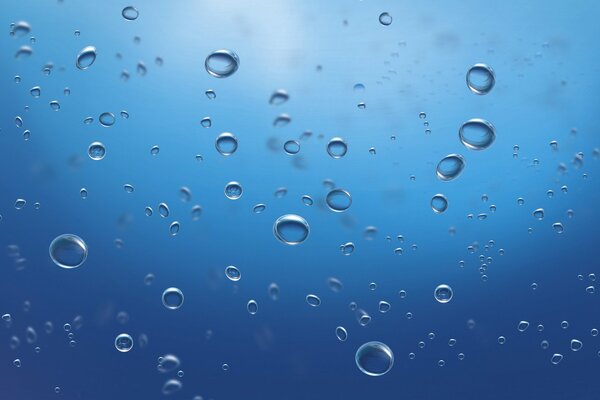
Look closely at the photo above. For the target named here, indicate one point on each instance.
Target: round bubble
(222, 63)
(130, 13)
(439, 203)
(96, 151)
(124, 343)
(338, 200)
(226, 143)
(291, 229)
(172, 298)
(481, 79)
(86, 57)
(291, 147)
(374, 358)
(337, 147)
(385, 19)
(450, 167)
(443, 293)
(477, 134)
(68, 251)
(233, 190)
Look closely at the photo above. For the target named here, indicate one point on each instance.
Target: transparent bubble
(172, 298)
(210, 94)
(279, 97)
(291, 147)
(576, 345)
(233, 190)
(23, 52)
(206, 122)
(128, 188)
(168, 363)
(35, 91)
(558, 227)
(20, 29)
(174, 228)
(226, 143)
(337, 147)
(477, 134)
(384, 306)
(481, 79)
(273, 291)
(501, 340)
(450, 167)
(96, 151)
(130, 13)
(232, 273)
(291, 229)
(385, 19)
(124, 343)
(222, 63)
(335, 284)
(259, 208)
(556, 358)
(538, 214)
(374, 358)
(347, 248)
(313, 300)
(523, 325)
(54, 105)
(338, 200)
(439, 203)
(171, 386)
(443, 293)
(107, 119)
(163, 210)
(68, 251)
(282, 120)
(86, 57)
(307, 200)
(252, 307)
(341, 333)
(20, 203)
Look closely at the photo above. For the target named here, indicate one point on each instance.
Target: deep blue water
(545, 58)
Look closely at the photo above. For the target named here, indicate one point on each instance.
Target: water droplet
(291, 229)
(337, 147)
(439, 203)
(279, 97)
(68, 251)
(291, 147)
(222, 63)
(172, 298)
(443, 293)
(374, 358)
(341, 333)
(96, 151)
(450, 167)
(385, 19)
(130, 13)
(338, 200)
(313, 300)
(86, 57)
(123, 343)
(252, 307)
(233, 190)
(226, 143)
(481, 79)
(477, 134)
(232, 273)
